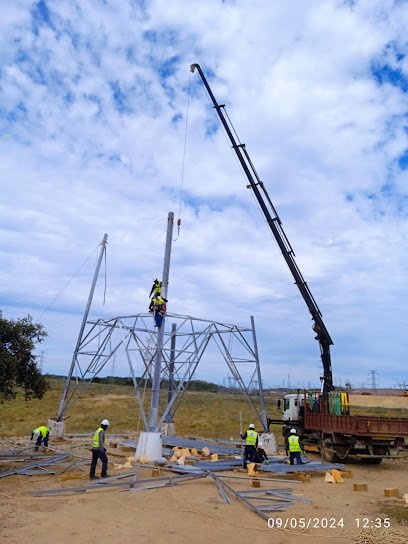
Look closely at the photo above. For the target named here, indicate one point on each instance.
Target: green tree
(18, 366)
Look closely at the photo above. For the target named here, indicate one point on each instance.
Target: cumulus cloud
(93, 103)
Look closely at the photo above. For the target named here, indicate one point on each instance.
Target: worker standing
(41, 434)
(294, 447)
(99, 451)
(251, 443)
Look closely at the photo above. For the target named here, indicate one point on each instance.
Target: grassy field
(199, 414)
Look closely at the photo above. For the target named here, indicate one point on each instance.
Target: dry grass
(203, 414)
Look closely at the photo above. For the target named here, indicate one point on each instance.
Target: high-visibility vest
(157, 288)
(43, 430)
(294, 445)
(95, 441)
(251, 437)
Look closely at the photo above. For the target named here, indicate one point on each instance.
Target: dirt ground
(195, 512)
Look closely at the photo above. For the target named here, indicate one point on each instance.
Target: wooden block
(256, 483)
(337, 476)
(391, 492)
(304, 477)
(155, 472)
(252, 469)
(346, 474)
(189, 462)
(360, 487)
(329, 479)
(127, 448)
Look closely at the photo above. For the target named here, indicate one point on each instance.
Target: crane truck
(323, 419)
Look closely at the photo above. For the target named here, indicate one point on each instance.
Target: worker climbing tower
(156, 355)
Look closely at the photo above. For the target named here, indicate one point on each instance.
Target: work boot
(94, 477)
(105, 475)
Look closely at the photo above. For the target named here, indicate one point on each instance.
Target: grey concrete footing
(168, 428)
(57, 428)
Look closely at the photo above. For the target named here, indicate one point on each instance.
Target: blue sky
(93, 101)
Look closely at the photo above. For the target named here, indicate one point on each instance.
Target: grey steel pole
(170, 392)
(258, 372)
(62, 406)
(155, 398)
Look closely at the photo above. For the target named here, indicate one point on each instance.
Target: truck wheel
(327, 451)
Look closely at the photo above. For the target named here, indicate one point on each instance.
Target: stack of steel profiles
(117, 481)
(189, 443)
(223, 464)
(55, 459)
(313, 466)
(166, 452)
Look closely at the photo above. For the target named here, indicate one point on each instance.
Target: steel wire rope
(184, 159)
(67, 283)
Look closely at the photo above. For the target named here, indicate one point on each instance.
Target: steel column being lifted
(154, 401)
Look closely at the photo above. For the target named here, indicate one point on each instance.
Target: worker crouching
(41, 434)
(99, 451)
(294, 447)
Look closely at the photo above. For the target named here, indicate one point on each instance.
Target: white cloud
(92, 120)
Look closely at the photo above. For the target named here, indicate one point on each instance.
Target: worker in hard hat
(99, 451)
(156, 288)
(251, 442)
(294, 447)
(160, 311)
(41, 435)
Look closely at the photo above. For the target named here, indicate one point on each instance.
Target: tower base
(149, 447)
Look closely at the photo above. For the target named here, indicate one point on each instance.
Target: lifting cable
(67, 283)
(231, 125)
(184, 159)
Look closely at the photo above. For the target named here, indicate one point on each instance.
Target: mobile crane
(323, 419)
(275, 224)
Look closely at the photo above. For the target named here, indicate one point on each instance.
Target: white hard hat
(105, 422)
(293, 431)
(36, 433)
(251, 426)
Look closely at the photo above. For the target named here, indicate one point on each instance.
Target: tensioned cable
(184, 158)
(68, 282)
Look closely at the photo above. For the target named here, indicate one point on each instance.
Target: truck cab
(293, 405)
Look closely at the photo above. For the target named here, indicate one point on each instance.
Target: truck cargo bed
(357, 425)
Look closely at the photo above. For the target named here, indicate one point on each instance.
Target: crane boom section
(275, 224)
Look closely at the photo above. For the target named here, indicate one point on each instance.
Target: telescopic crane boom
(275, 224)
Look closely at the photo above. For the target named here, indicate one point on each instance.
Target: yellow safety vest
(251, 437)
(294, 445)
(158, 288)
(95, 441)
(43, 430)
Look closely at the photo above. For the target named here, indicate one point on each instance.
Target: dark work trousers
(295, 455)
(261, 455)
(99, 454)
(249, 455)
(42, 440)
(158, 318)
